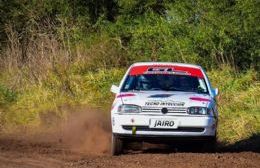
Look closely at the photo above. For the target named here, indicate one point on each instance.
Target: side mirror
(215, 92)
(114, 89)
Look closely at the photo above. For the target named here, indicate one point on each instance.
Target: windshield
(165, 82)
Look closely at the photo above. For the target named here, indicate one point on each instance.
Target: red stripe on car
(125, 95)
(199, 99)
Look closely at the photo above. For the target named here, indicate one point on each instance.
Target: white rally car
(160, 100)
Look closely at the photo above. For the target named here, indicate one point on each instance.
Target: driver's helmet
(144, 83)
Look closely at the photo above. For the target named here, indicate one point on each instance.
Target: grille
(170, 110)
(180, 129)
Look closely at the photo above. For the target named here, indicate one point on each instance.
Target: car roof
(165, 63)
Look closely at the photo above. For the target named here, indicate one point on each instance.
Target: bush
(238, 103)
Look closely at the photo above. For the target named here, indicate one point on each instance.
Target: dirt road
(83, 141)
(26, 154)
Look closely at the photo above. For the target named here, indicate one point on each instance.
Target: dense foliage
(204, 32)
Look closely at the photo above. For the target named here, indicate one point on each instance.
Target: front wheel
(117, 145)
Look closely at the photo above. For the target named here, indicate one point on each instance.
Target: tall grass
(238, 102)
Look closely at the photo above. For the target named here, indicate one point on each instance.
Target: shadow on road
(251, 144)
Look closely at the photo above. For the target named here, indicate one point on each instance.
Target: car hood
(165, 99)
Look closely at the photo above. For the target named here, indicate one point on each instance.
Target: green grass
(238, 101)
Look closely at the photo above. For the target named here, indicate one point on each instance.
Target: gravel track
(84, 141)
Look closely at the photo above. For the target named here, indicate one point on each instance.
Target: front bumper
(137, 125)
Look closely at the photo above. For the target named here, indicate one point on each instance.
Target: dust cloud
(82, 130)
(87, 131)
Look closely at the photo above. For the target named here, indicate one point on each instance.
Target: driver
(144, 83)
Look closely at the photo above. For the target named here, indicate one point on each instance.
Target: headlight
(127, 108)
(198, 110)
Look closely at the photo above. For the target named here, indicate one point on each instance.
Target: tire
(135, 146)
(117, 145)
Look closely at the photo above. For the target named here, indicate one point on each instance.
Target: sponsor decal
(163, 69)
(163, 103)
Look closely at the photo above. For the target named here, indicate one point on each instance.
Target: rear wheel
(117, 145)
